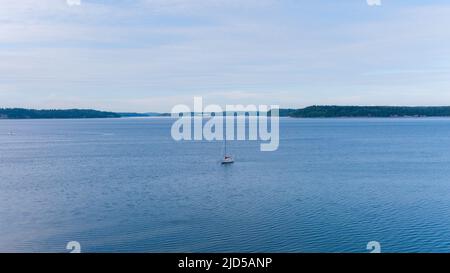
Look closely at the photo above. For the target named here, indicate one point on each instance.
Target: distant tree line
(20, 113)
(367, 111)
(308, 112)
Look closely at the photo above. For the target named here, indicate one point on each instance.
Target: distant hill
(154, 114)
(127, 114)
(308, 112)
(369, 111)
(20, 113)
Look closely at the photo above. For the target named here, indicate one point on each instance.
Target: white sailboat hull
(227, 160)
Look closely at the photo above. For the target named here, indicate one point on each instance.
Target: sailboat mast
(225, 141)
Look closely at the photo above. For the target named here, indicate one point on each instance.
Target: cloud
(73, 2)
(201, 6)
(153, 53)
(373, 2)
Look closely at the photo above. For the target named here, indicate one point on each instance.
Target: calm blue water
(123, 185)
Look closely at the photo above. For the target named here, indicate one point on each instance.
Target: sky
(149, 55)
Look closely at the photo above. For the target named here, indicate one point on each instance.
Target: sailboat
(227, 159)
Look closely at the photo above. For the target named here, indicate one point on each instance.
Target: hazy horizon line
(281, 108)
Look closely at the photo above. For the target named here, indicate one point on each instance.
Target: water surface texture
(123, 185)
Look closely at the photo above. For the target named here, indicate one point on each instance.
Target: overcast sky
(148, 55)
